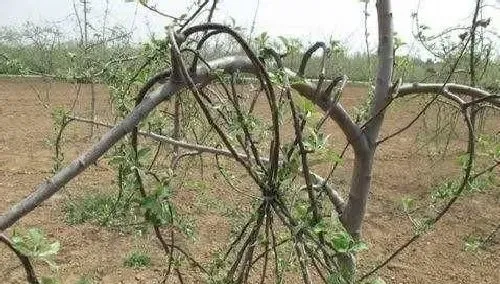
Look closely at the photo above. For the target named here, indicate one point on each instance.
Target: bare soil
(403, 168)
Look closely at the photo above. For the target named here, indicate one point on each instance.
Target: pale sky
(310, 20)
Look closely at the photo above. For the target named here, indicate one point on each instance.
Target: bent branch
(437, 88)
(25, 261)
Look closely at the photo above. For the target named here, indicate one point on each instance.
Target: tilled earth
(402, 169)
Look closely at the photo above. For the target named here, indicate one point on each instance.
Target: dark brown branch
(25, 261)
(212, 10)
(263, 76)
(408, 125)
(198, 11)
(179, 64)
(307, 55)
(488, 169)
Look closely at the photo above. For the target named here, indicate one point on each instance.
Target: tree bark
(353, 215)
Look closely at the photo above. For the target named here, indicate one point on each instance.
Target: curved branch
(261, 73)
(28, 267)
(437, 88)
(350, 129)
(309, 53)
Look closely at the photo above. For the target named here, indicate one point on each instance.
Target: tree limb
(437, 88)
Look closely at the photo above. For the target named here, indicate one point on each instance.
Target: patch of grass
(472, 243)
(407, 205)
(84, 280)
(101, 209)
(137, 259)
(449, 188)
(49, 280)
(444, 190)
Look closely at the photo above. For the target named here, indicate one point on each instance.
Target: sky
(310, 20)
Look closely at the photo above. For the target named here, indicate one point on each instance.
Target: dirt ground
(402, 169)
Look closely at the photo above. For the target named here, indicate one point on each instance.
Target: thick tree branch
(50, 186)
(354, 212)
(385, 66)
(351, 130)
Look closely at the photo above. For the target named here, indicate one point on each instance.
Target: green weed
(137, 260)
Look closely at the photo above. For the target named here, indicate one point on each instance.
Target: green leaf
(277, 77)
(51, 249)
(315, 141)
(158, 206)
(341, 242)
(320, 227)
(302, 210)
(359, 246)
(143, 152)
(344, 243)
(34, 244)
(49, 280)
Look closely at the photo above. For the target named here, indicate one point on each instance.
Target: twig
(267, 242)
(480, 100)
(444, 89)
(472, 55)
(488, 169)
(151, 8)
(212, 10)
(59, 157)
(252, 27)
(249, 241)
(367, 45)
